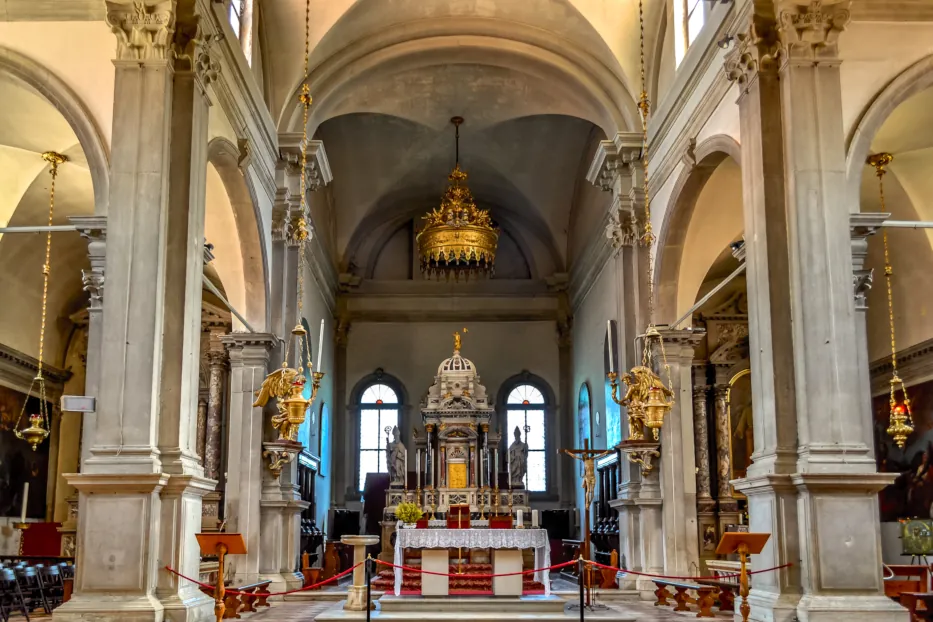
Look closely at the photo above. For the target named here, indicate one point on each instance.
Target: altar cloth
(476, 539)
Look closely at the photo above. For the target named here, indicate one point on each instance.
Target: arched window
(583, 414)
(613, 412)
(240, 16)
(526, 407)
(689, 17)
(379, 408)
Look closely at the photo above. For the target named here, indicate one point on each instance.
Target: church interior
(417, 309)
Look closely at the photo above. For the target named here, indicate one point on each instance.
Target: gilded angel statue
(283, 384)
(640, 382)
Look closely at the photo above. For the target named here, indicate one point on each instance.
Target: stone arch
(603, 95)
(908, 83)
(708, 156)
(75, 113)
(224, 157)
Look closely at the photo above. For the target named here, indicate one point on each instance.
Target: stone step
(417, 604)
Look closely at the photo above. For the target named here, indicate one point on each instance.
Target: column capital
(756, 50)
(810, 30)
(318, 167)
(249, 349)
(614, 158)
(863, 225)
(144, 28)
(680, 343)
(94, 230)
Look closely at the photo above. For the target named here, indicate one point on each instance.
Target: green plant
(408, 512)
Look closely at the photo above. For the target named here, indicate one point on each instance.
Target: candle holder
(21, 527)
(418, 496)
(433, 507)
(496, 502)
(482, 503)
(510, 502)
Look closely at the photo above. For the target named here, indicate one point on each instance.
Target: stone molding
(17, 370)
(853, 483)
(249, 349)
(119, 483)
(862, 225)
(188, 485)
(144, 28)
(914, 365)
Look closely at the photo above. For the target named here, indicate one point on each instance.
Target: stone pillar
(812, 483)
(861, 227)
(280, 513)
(249, 363)
(724, 495)
(141, 486)
(676, 465)
(356, 593)
(345, 482)
(94, 230)
(202, 427)
(217, 359)
(701, 449)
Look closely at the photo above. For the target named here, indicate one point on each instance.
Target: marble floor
(307, 611)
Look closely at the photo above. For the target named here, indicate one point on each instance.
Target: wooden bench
(249, 597)
(919, 604)
(706, 596)
(727, 592)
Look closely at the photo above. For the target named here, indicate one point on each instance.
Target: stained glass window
(525, 406)
(378, 410)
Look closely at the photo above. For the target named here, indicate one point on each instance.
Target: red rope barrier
(266, 594)
(474, 576)
(661, 576)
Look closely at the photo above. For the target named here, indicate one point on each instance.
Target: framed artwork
(742, 431)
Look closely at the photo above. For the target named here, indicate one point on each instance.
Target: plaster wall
(78, 53)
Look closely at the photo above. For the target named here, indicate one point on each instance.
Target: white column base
(356, 598)
(195, 606)
(850, 608)
(103, 608)
(769, 606)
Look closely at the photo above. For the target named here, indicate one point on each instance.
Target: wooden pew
(706, 596)
(914, 579)
(250, 597)
(727, 592)
(919, 604)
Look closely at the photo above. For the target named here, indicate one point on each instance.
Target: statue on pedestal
(518, 460)
(396, 459)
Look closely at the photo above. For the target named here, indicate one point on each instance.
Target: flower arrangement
(408, 512)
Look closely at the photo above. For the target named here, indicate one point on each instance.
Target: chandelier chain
(304, 357)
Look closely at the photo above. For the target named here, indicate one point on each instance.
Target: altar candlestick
(519, 519)
(509, 458)
(609, 338)
(418, 469)
(25, 501)
(405, 480)
(495, 476)
(534, 519)
(320, 347)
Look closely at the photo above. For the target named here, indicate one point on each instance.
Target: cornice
(892, 11)
(19, 368)
(914, 366)
(52, 11)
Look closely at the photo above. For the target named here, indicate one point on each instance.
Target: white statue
(518, 460)
(396, 458)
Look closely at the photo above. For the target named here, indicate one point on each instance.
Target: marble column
(724, 495)
(676, 466)
(701, 449)
(217, 359)
(202, 426)
(94, 230)
(141, 487)
(249, 355)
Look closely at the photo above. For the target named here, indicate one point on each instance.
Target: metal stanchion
(369, 578)
(582, 573)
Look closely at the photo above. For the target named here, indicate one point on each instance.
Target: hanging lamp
(647, 399)
(458, 238)
(287, 384)
(39, 427)
(900, 415)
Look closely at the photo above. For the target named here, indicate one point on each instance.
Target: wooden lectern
(744, 544)
(220, 544)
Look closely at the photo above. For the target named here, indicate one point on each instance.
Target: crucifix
(588, 457)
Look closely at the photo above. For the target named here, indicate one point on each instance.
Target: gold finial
(880, 161)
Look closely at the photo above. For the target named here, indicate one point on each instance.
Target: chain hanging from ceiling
(900, 418)
(39, 426)
(458, 238)
(287, 384)
(647, 399)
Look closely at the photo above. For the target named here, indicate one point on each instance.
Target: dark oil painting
(911, 494)
(18, 462)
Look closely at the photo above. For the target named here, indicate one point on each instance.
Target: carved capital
(93, 281)
(862, 282)
(206, 65)
(621, 229)
(755, 51)
(144, 28)
(811, 30)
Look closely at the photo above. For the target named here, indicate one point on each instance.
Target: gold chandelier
(900, 416)
(38, 429)
(458, 238)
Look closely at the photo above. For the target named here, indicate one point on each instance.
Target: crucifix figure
(588, 457)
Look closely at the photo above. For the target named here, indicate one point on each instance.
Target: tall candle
(320, 347)
(25, 501)
(609, 337)
(418, 469)
(520, 519)
(405, 476)
(495, 474)
(534, 519)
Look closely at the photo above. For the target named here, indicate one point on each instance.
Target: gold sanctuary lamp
(35, 433)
